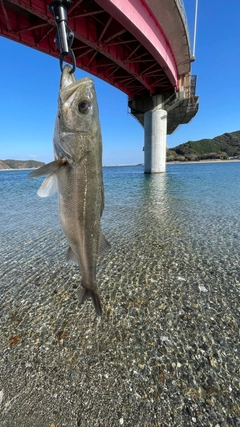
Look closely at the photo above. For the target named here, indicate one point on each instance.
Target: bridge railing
(181, 7)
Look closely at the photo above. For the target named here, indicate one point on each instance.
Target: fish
(76, 174)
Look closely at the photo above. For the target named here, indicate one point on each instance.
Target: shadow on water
(165, 352)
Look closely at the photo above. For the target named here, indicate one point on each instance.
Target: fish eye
(84, 106)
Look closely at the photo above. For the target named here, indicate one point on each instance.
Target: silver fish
(76, 173)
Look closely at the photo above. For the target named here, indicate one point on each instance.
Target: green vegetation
(204, 146)
(221, 147)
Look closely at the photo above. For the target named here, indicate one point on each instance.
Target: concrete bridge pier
(155, 134)
(155, 126)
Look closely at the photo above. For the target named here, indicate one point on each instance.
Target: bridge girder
(109, 42)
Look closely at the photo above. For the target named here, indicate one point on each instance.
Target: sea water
(166, 351)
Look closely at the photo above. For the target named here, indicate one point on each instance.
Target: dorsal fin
(104, 245)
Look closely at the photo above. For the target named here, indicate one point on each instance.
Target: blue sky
(30, 80)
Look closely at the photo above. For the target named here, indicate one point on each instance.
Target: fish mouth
(68, 79)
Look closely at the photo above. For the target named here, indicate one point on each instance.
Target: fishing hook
(65, 36)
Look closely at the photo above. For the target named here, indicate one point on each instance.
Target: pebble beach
(166, 351)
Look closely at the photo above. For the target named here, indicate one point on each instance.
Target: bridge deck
(140, 47)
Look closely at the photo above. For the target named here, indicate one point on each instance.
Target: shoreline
(10, 170)
(203, 161)
(23, 169)
(141, 164)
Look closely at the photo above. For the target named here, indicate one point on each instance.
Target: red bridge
(139, 46)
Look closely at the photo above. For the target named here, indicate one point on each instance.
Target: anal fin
(70, 257)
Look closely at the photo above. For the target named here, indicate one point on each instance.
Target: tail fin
(84, 294)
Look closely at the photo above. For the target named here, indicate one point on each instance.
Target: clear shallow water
(166, 352)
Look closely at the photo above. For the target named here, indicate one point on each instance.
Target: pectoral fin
(49, 186)
(48, 169)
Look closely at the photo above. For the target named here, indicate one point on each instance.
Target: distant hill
(19, 164)
(3, 165)
(221, 147)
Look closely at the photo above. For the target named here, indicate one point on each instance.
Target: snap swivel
(65, 36)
